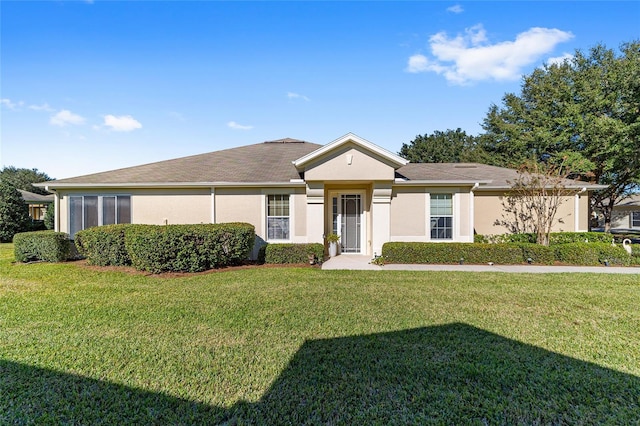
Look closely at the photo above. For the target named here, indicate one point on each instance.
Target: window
(635, 219)
(278, 217)
(441, 216)
(94, 210)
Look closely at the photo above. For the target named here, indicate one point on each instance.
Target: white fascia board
(438, 182)
(591, 187)
(172, 185)
(350, 137)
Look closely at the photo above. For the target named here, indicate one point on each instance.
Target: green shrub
(400, 252)
(587, 254)
(635, 254)
(293, 253)
(579, 237)
(48, 246)
(188, 248)
(554, 238)
(591, 254)
(538, 254)
(103, 245)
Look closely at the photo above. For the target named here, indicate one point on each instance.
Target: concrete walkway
(356, 262)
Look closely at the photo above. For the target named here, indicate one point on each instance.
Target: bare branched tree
(535, 197)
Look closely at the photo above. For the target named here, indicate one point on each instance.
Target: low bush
(539, 254)
(293, 253)
(586, 254)
(591, 254)
(188, 248)
(48, 246)
(103, 245)
(399, 252)
(554, 238)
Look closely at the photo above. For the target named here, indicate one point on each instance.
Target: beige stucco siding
(159, 207)
(300, 214)
(621, 217)
(489, 209)
(463, 221)
(349, 163)
(408, 212)
(240, 205)
(151, 206)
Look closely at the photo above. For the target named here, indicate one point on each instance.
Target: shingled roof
(271, 162)
(259, 163)
(489, 177)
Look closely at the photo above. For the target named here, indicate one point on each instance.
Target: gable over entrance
(349, 158)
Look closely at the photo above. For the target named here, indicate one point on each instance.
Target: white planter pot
(333, 249)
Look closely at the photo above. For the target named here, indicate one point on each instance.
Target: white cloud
(123, 123)
(470, 57)
(234, 125)
(42, 107)
(559, 60)
(64, 117)
(7, 103)
(455, 9)
(292, 95)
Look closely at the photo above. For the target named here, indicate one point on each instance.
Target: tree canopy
(24, 178)
(587, 109)
(450, 146)
(14, 212)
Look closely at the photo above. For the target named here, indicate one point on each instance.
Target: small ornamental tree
(14, 212)
(537, 193)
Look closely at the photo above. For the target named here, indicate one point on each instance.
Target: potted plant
(333, 239)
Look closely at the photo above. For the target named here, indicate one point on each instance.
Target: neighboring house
(296, 191)
(37, 203)
(626, 214)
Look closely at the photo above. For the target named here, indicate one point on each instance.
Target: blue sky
(98, 85)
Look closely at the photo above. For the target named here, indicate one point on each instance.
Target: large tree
(24, 178)
(449, 146)
(14, 212)
(588, 107)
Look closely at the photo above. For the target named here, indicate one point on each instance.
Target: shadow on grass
(448, 374)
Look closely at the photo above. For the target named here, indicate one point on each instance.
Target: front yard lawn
(306, 346)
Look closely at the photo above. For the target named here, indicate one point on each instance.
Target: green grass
(305, 346)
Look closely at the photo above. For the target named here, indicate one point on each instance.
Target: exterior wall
(410, 213)
(249, 205)
(160, 207)
(488, 208)
(151, 206)
(621, 217)
(349, 163)
(240, 205)
(583, 213)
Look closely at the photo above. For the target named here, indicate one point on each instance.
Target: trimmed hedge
(554, 238)
(103, 245)
(188, 248)
(591, 254)
(399, 252)
(48, 246)
(586, 254)
(293, 253)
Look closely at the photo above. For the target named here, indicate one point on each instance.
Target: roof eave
(134, 185)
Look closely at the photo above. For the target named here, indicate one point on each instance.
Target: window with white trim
(441, 216)
(635, 219)
(86, 211)
(278, 217)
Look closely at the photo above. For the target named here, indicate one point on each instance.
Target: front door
(347, 221)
